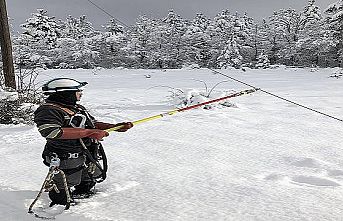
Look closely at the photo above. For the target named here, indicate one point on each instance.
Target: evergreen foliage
(335, 24)
(289, 37)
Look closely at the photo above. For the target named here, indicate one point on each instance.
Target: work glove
(125, 126)
(98, 134)
(76, 133)
(105, 126)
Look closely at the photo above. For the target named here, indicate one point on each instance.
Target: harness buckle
(78, 121)
(54, 163)
(73, 155)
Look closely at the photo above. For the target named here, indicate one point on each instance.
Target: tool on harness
(64, 156)
(73, 155)
(94, 161)
(54, 162)
(78, 121)
(49, 184)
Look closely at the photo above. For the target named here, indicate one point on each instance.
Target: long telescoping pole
(248, 91)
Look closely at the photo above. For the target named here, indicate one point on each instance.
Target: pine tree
(229, 26)
(230, 56)
(143, 41)
(244, 30)
(41, 28)
(261, 41)
(263, 61)
(335, 20)
(287, 25)
(35, 46)
(78, 45)
(175, 28)
(77, 28)
(222, 33)
(312, 40)
(197, 41)
(111, 44)
(311, 13)
(114, 28)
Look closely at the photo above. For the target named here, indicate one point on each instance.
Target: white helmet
(62, 84)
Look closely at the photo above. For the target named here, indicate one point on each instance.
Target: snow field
(264, 159)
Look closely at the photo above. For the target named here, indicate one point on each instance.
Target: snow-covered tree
(244, 31)
(41, 28)
(175, 28)
(312, 41)
(229, 26)
(311, 13)
(335, 20)
(113, 27)
(36, 44)
(261, 41)
(110, 45)
(262, 61)
(143, 41)
(78, 44)
(230, 56)
(197, 48)
(77, 28)
(287, 25)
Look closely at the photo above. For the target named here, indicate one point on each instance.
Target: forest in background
(310, 37)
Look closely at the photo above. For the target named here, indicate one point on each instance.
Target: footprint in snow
(335, 173)
(304, 162)
(303, 180)
(315, 164)
(314, 181)
(126, 186)
(274, 177)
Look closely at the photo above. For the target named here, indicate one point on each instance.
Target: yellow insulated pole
(248, 91)
(145, 120)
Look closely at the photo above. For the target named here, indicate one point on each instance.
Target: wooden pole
(6, 48)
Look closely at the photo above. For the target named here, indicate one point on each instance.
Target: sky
(128, 10)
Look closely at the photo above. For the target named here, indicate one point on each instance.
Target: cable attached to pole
(277, 96)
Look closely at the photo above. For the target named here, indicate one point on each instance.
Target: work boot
(58, 198)
(84, 190)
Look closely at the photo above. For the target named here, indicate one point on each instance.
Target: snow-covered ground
(263, 159)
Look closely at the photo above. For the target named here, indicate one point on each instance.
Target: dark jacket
(51, 117)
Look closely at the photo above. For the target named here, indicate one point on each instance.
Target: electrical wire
(107, 13)
(234, 79)
(277, 96)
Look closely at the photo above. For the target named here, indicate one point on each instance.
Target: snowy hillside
(262, 159)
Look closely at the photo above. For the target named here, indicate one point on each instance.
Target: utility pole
(6, 48)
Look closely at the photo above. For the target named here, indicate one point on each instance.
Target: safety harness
(93, 158)
(49, 184)
(54, 164)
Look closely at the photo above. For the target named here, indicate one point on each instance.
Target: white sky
(128, 10)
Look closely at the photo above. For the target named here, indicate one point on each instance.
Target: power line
(277, 96)
(107, 13)
(269, 93)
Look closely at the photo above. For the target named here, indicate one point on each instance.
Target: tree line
(306, 38)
